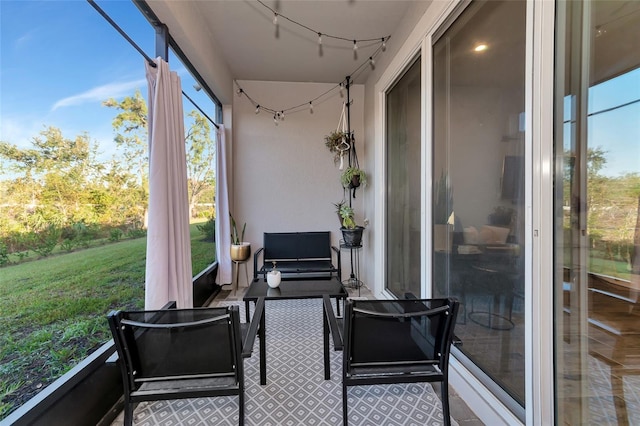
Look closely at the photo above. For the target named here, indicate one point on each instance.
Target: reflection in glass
(597, 205)
(478, 194)
(403, 184)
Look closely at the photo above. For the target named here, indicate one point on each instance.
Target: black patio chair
(396, 341)
(182, 353)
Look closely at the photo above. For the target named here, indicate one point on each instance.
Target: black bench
(298, 255)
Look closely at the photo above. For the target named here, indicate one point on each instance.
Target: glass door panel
(478, 193)
(597, 205)
(403, 184)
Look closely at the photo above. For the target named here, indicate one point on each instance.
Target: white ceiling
(245, 34)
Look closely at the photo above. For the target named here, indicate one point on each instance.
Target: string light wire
(278, 114)
(316, 32)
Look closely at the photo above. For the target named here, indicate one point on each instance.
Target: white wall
(284, 178)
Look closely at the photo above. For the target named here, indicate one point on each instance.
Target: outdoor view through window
(597, 213)
(73, 183)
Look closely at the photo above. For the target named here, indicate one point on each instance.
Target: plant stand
(354, 278)
(236, 283)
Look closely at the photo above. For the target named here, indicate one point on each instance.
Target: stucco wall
(284, 178)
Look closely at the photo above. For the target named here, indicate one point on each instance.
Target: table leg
(246, 311)
(263, 350)
(325, 337)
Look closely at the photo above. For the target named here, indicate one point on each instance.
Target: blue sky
(60, 59)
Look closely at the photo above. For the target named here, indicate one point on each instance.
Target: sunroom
(476, 123)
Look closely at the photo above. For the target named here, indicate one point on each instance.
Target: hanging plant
(336, 141)
(353, 177)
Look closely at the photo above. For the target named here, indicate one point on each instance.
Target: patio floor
(296, 393)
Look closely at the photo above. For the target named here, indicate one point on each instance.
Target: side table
(354, 278)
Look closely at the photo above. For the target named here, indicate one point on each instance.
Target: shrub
(208, 229)
(115, 235)
(4, 254)
(47, 240)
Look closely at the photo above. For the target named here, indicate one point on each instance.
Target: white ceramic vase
(274, 278)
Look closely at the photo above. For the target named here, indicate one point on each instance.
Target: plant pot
(240, 252)
(355, 181)
(352, 237)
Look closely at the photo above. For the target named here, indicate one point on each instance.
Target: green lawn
(54, 310)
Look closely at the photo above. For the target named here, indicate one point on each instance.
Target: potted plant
(351, 233)
(501, 216)
(240, 249)
(442, 212)
(353, 177)
(337, 142)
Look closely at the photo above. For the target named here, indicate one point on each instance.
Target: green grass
(54, 310)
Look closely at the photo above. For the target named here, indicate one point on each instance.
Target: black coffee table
(294, 289)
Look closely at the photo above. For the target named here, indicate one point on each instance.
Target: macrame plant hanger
(344, 146)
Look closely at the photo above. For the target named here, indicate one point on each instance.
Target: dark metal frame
(127, 332)
(389, 366)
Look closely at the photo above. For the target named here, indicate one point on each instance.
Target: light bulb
(257, 109)
(239, 91)
(384, 44)
(310, 107)
(320, 39)
(341, 91)
(275, 119)
(372, 62)
(355, 45)
(275, 19)
(281, 115)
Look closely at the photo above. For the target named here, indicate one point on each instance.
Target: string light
(355, 45)
(384, 44)
(320, 34)
(279, 115)
(372, 63)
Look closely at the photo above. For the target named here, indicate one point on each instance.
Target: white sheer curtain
(223, 225)
(168, 268)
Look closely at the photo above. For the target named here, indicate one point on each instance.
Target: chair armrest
(170, 305)
(333, 323)
(250, 338)
(256, 255)
(339, 267)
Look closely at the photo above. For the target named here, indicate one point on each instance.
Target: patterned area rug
(296, 393)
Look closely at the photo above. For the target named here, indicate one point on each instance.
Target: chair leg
(345, 413)
(446, 414)
(128, 413)
(241, 408)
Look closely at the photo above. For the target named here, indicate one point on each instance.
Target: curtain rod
(135, 46)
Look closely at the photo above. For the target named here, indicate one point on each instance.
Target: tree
(131, 131)
(200, 153)
(53, 175)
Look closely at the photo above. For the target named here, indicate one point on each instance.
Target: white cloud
(100, 93)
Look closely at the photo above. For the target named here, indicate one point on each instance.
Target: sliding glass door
(597, 213)
(403, 186)
(478, 191)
